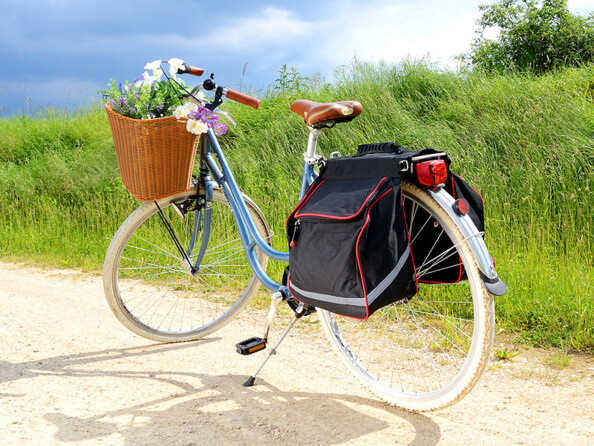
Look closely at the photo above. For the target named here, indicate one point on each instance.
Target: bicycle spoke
(420, 230)
(416, 352)
(154, 285)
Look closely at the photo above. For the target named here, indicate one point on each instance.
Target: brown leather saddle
(318, 112)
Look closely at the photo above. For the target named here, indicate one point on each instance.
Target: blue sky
(61, 52)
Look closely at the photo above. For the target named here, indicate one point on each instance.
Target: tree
(532, 38)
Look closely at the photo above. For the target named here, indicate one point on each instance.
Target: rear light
(432, 173)
(461, 206)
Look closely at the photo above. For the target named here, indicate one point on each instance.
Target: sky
(59, 53)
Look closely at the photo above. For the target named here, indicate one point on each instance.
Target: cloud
(270, 26)
(102, 39)
(392, 31)
(373, 31)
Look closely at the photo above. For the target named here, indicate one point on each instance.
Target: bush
(532, 38)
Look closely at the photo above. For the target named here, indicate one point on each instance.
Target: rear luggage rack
(408, 165)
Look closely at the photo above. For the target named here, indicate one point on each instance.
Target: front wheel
(429, 352)
(150, 285)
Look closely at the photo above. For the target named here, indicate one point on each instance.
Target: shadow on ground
(207, 409)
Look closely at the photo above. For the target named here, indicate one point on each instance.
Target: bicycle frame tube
(308, 177)
(248, 232)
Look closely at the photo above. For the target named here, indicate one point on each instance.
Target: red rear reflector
(461, 206)
(432, 173)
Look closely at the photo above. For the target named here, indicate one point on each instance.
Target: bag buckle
(405, 166)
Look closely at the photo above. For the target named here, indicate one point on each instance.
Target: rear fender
(475, 242)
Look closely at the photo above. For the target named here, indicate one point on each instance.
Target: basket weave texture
(155, 156)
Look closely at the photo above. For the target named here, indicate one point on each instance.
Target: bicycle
(180, 268)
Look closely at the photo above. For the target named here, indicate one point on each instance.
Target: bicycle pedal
(251, 345)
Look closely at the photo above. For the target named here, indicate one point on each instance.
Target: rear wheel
(149, 285)
(428, 352)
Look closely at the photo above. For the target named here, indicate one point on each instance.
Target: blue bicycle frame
(248, 232)
(251, 238)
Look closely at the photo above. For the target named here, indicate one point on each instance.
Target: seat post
(312, 142)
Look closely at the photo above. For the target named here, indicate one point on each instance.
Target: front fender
(475, 242)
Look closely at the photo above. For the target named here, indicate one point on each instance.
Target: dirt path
(71, 374)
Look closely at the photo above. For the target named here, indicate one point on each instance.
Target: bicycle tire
(429, 352)
(151, 290)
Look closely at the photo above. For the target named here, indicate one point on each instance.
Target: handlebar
(195, 71)
(209, 84)
(234, 95)
(243, 98)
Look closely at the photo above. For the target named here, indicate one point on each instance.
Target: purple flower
(131, 110)
(195, 114)
(159, 107)
(115, 104)
(220, 129)
(123, 101)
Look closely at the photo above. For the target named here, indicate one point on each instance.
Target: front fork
(202, 218)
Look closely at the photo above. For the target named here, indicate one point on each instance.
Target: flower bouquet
(155, 132)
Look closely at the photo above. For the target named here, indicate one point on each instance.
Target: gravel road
(71, 374)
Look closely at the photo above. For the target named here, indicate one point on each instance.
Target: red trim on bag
(359, 259)
(367, 218)
(289, 288)
(349, 216)
(306, 197)
(360, 272)
(440, 283)
(408, 240)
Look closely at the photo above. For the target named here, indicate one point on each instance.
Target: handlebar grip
(242, 98)
(191, 70)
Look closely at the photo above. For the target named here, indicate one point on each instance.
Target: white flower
(197, 127)
(155, 66)
(174, 65)
(181, 111)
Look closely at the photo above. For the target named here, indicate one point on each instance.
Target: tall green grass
(526, 143)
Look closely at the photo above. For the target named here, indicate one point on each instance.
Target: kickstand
(298, 313)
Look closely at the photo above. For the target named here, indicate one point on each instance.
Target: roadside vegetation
(526, 142)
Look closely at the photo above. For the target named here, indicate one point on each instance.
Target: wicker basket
(155, 156)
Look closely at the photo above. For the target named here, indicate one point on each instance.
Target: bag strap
(380, 147)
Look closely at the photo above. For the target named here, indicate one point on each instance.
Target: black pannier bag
(349, 250)
(430, 239)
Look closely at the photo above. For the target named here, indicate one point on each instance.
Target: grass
(505, 354)
(526, 143)
(558, 360)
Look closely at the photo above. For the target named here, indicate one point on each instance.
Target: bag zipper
(295, 236)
